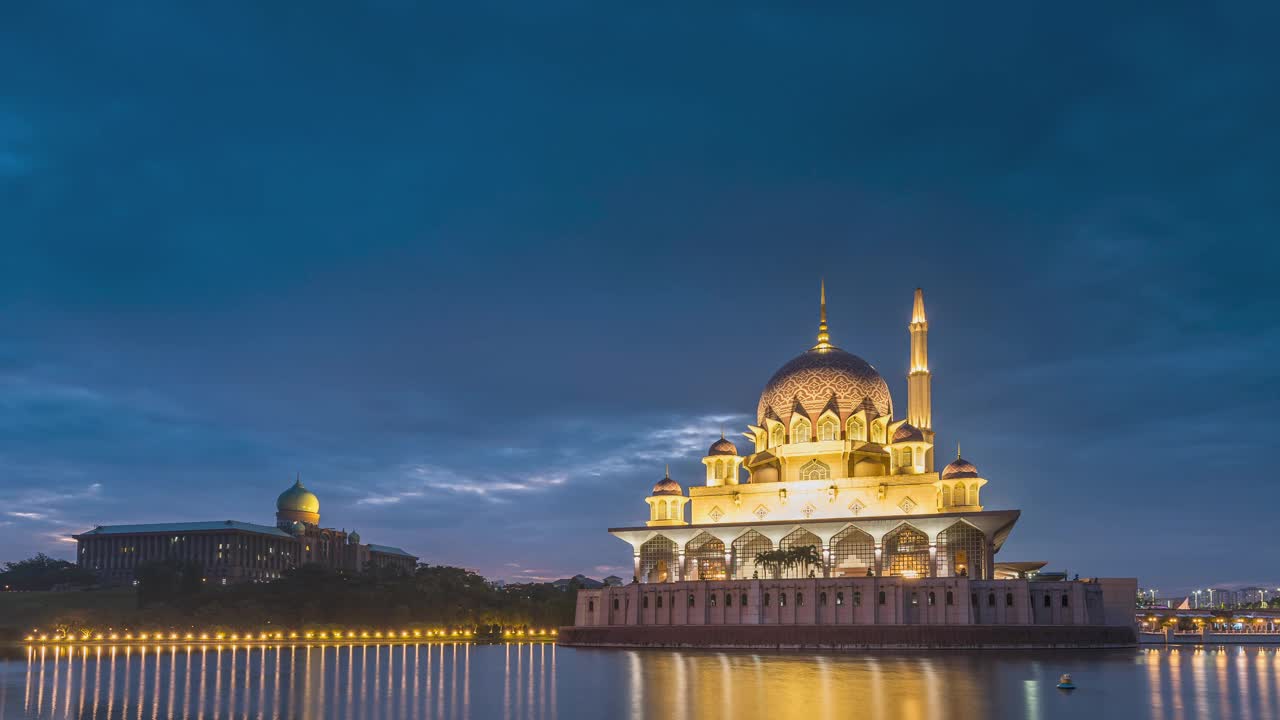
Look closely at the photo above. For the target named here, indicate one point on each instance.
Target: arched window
(657, 560)
(959, 494)
(1048, 600)
(704, 558)
(951, 599)
(719, 470)
(801, 431)
(782, 599)
(853, 553)
(802, 540)
(962, 552)
(591, 606)
(615, 603)
(881, 597)
(1008, 599)
(728, 600)
(766, 599)
(840, 598)
(991, 599)
(932, 598)
(946, 496)
(675, 511)
(855, 430)
(906, 552)
(776, 437)
(659, 602)
(799, 599)
(713, 601)
(644, 602)
(815, 470)
(745, 549)
(743, 600)
(877, 431)
(822, 599)
(1065, 602)
(906, 457)
(660, 510)
(828, 429)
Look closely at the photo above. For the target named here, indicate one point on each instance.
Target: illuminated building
(229, 551)
(836, 514)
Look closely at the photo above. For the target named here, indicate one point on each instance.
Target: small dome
(907, 432)
(723, 447)
(298, 499)
(959, 468)
(297, 527)
(667, 486)
(353, 538)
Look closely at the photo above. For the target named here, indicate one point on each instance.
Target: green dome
(298, 499)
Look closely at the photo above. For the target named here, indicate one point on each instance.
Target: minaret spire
(824, 339)
(919, 380)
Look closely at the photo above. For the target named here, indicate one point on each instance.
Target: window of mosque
(744, 600)
(854, 429)
(766, 599)
(690, 599)
(591, 606)
(712, 599)
(946, 496)
(1048, 600)
(644, 602)
(961, 552)
(907, 552)
(801, 431)
(728, 600)
(840, 598)
(877, 432)
(657, 559)
(828, 429)
(815, 470)
(1065, 603)
(615, 603)
(951, 598)
(932, 599)
(659, 602)
(1008, 599)
(795, 541)
(704, 556)
(853, 554)
(776, 437)
(822, 599)
(958, 496)
(991, 599)
(799, 599)
(881, 597)
(745, 549)
(782, 599)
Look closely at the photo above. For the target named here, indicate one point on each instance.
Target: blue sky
(479, 273)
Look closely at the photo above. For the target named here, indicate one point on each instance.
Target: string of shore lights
(332, 636)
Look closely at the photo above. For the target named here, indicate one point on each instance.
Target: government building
(230, 551)
(835, 514)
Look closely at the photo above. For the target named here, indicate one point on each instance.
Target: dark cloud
(496, 263)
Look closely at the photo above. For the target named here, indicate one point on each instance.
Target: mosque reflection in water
(522, 680)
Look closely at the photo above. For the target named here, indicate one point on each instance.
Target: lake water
(544, 681)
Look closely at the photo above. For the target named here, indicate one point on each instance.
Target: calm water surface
(543, 681)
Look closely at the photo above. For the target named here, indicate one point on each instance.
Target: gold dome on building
(298, 499)
(822, 376)
(667, 486)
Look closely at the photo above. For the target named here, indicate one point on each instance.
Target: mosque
(835, 500)
(230, 551)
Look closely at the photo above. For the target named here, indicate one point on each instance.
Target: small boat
(1064, 682)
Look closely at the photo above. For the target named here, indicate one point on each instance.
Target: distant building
(230, 551)
(612, 581)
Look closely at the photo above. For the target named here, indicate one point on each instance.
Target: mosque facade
(230, 551)
(836, 500)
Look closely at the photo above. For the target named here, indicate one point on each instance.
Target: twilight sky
(477, 274)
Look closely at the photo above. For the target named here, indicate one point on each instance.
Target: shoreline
(819, 637)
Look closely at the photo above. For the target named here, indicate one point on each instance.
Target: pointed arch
(657, 559)
(745, 548)
(828, 427)
(958, 495)
(946, 496)
(777, 436)
(906, 552)
(815, 470)
(704, 558)
(878, 430)
(801, 430)
(853, 553)
(855, 429)
(801, 538)
(962, 551)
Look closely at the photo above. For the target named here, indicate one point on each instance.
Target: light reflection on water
(536, 681)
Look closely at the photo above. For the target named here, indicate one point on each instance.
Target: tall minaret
(919, 404)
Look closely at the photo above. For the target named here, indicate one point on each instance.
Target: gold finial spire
(667, 472)
(957, 449)
(917, 308)
(824, 339)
